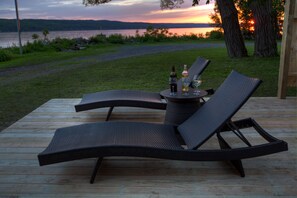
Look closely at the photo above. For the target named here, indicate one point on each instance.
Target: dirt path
(17, 74)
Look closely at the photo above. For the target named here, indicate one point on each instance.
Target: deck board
(21, 176)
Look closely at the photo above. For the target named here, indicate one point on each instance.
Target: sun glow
(252, 25)
(197, 14)
(197, 19)
(116, 10)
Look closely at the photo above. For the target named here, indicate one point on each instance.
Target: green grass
(52, 56)
(148, 72)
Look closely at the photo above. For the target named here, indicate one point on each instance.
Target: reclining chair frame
(134, 139)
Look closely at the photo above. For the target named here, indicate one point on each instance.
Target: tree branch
(94, 2)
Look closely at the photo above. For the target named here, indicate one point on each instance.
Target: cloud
(183, 10)
(122, 10)
(197, 14)
(128, 2)
(68, 3)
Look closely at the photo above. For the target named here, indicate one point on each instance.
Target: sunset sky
(120, 10)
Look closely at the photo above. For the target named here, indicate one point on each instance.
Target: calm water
(10, 38)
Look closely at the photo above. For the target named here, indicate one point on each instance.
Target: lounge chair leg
(236, 163)
(97, 166)
(109, 113)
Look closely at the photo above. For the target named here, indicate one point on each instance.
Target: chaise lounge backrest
(226, 101)
(197, 67)
(198, 70)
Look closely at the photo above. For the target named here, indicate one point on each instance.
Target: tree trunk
(233, 37)
(265, 35)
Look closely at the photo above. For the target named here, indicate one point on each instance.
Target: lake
(9, 38)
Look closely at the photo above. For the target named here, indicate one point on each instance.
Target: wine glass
(185, 86)
(196, 82)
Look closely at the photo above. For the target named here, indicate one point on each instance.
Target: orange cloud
(197, 14)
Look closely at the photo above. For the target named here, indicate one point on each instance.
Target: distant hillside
(9, 25)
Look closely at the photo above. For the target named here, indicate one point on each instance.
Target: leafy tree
(278, 14)
(267, 16)
(265, 36)
(170, 3)
(233, 38)
(94, 2)
(261, 19)
(246, 19)
(215, 34)
(215, 17)
(232, 34)
(45, 32)
(264, 12)
(35, 36)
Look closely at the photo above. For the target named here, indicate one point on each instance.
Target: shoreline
(4, 32)
(7, 39)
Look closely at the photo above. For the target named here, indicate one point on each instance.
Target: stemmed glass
(196, 82)
(185, 86)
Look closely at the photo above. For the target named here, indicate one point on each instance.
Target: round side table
(181, 107)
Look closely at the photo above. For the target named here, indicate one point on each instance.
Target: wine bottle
(185, 81)
(173, 81)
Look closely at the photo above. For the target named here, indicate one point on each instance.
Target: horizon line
(102, 20)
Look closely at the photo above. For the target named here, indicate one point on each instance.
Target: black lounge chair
(133, 98)
(99, 140)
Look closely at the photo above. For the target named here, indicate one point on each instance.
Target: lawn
(149, 72)
(53, 56)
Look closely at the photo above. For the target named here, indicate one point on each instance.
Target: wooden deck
(21, 176)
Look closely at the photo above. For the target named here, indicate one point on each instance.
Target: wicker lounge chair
(132, 98)
(99, 140)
